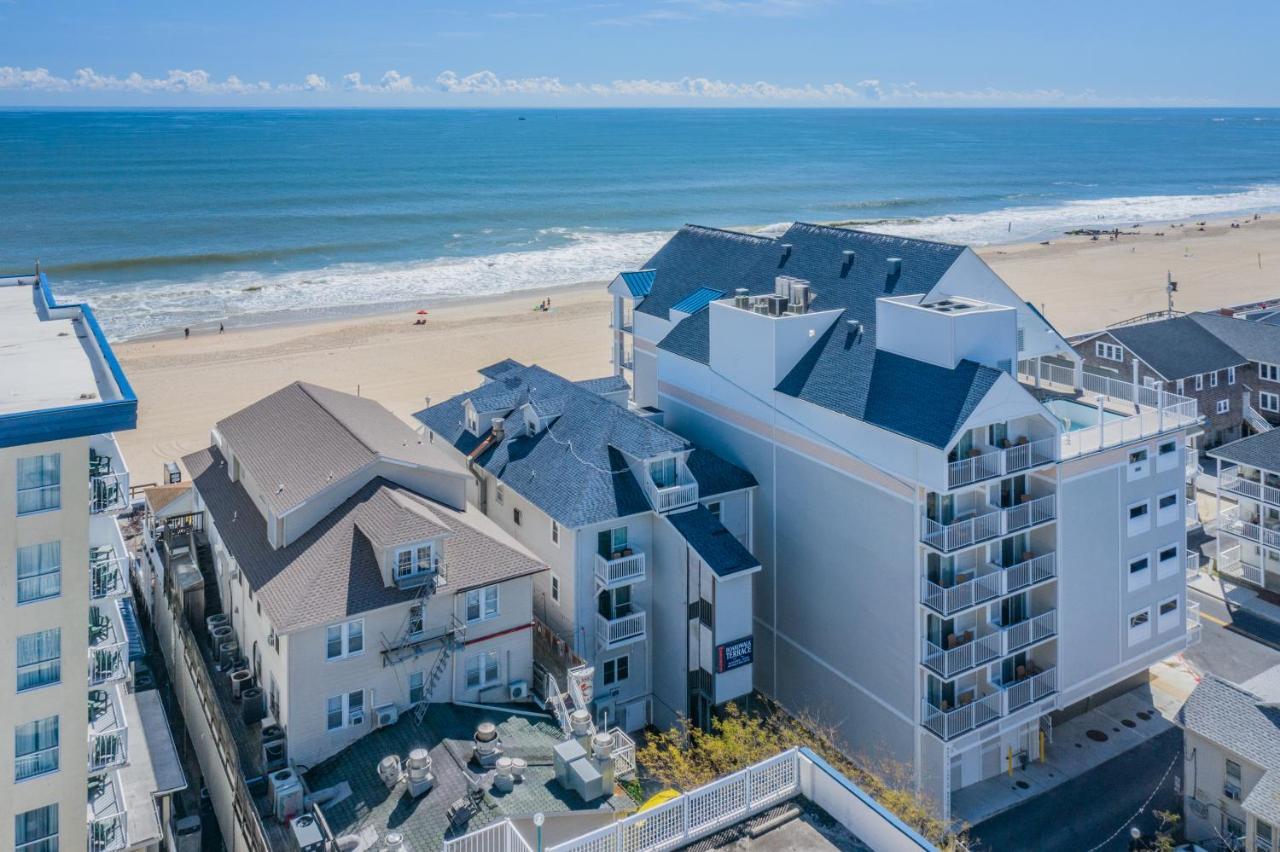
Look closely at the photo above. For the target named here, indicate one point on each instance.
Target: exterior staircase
(1255, 419)
(451, 641)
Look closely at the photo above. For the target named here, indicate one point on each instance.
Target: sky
(575, 53)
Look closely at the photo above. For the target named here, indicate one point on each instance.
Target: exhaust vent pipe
(800, 298)
(786, 250)
(741, 298)
(895, 266)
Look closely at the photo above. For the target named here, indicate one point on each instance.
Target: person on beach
(221, 328)
(186, 332)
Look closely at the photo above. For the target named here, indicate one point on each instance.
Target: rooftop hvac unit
(287, 795)
(239, 680)
(518, 690)
(275, 755)
(307, 834)
(218, 619)
(252, 705)
(387, 714)
(227, 653)
(777, 305)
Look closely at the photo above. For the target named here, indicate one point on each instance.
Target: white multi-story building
(65, 593)
(647, 538)
(1249, 525)
(961, 529)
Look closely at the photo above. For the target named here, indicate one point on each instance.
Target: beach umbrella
(422, 312)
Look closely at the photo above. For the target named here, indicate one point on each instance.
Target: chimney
(786, 251)
(499, 429)
(846, 264)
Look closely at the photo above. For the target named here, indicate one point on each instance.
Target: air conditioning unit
(519, 690)
(271, 638)
(1231, 791)
(1199, 808)
(356, 717)
(387, 714)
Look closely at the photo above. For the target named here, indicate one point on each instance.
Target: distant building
(68, 631)
(1231, 762)
(1249, 531)
(647, 536)
(963, 530)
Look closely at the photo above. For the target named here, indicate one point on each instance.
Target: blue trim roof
(73, 421)
(639, 283)
(697, 300)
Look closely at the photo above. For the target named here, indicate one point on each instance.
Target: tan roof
(160, 496)
(298, 440)
(331, 572)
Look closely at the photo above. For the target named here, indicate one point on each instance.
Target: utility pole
(1170, 288)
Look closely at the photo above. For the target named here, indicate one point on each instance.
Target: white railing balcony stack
(664, 499)
(1193, 564)
(1030, 631)
(616, 632)
(1037, 569)
(107, 662)
(962, 595)
(619, 571)
(107, 578)
(949, 662)
(954, 722)
(993, 462)
(1029, 690)
(1030, 513)
(108, 749)
(961, 533)
(1193, 623)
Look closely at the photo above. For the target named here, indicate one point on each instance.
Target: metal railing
(1232, 564)
(620, 571)
(623, 752)
(947, 600)
(994, 462)
(1193, 623)
(665, 498)
(1193, 514)
(1029, 513)
(961, 533)
(1037, 569)
(1019, 694)
(108, 749)
(1030, 631)
(1230, 521)
(109, 492)
(954, 722)
(1033, 454)
(106, 578)
(1193, 564)
(974, 468)
(1233, 482)
(612, 632)
(495, 837)
(107, 662)
(949, 662)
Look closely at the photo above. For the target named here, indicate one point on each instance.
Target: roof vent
(846, 264)
(498, 426)
(895, 266)
(855, 328)
(741, 298)
(786, 250)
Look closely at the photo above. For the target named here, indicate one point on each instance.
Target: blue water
(1076, 415)
(168, 218)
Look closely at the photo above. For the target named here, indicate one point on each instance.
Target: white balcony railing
(666, 498)
(1037, 569)
(1030, 513)
(108, 749)
(1231, 563)
(954, 722)
(949, 662)
(1193, 564)
(1232, 482)
(107, 577)
(108, 662)
(1019, 694)
(1193, 623)
(974, 468)
(615, 632)
(1033, 454)
(108, 833)
(1030, 631)
(961, 533)
(947, 600)
(1193, 514)
(995, 462)
(109, 492)
(620, 570)
(1229, 520)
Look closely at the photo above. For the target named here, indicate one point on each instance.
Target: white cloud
(392, 81)
(488, 83)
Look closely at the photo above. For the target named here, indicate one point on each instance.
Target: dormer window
(414, 565)
(473, 421)
(663, 472)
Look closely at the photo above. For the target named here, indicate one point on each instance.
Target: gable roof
(1254, 341)
(499, 367)
(639, 283)
(300, 439)
(331, 572)
(718, 547)
(842, 371)
(697, 300)
(575, 469)
(1260, 450)
(1177, 348)
(698, 256)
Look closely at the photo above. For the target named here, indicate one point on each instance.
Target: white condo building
(962, 531)
(72, 779)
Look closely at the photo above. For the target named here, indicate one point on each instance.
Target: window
(1109, 351)
(499, 493)
(1231, 375)
(39, 659)
(555, 588)
(609, 542)
(1200, 382)
(417, 687)
(1168, 617)
(35, 748)
(1269, 372)
(1167, 455)
(342, 711)
(1224, 405)
(417, 621)
(1138, 466)
(1167, 508)
(1269, 401)
(1167, 564)
(482, 604)
(36, 830)
(1149, 382)
(39, 483)
(1234, 829)
(714, 509)
(1231, 781)
(1139, 573)
(663, 473)
(473, 421)
(1182, 386)
(1139, 518)
(617, 670)
(39, 571)
(414, 561)
(1263, 835)
(515, 516)
(344, 640)
(555, 533)
(482, 670)
(1213, 379)
(1139, 626)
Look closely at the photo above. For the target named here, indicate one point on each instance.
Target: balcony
(621, 630)
(948, 723)
(107, 573)
(665, 498)
(948, 599)
(1230, 521)
(1193, 564)
(1029, 512)
(422, 575)
(963, 532)
(1193, 623)
(1234, 483)
(620, 570)
(1023, 634)
(108, 818)
(1029, 572)
(993, 462)
(964, 652)
(1233, 565)
(1029, 689)
(108, 646)
(1193, 515)
(108, 476)
(108, 730)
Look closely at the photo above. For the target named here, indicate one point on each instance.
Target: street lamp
(1135, 836)
(538, 819)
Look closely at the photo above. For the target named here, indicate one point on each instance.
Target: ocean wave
(147, 306)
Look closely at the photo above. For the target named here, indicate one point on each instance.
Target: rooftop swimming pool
(1076, 415)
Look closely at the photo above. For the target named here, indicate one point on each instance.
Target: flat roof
(44, 361)
(795, 826)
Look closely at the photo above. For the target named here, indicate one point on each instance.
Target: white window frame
(47, 581)
(1166, 455)
(1181, 387)
(486, 601)
(555, 588)
(347, 630)
(1168, 566)
(1224, 406)
(1199, 381)
(1213, 379)
(1139, 463)
(478, 669)
(1268, 372)
(45, 843)
(1109, 351)
(1141, 632)
(47, 491)
(1231, 375)
(1141, 523)
(416, 567)
(555, 533)
(1140, 578)
(1268, 401)
(609, 670)
(44, 761)
(346, 705)
(49, 666)
(1167, 514)
(1166, 621)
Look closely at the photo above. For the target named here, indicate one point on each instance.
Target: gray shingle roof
(841, 372)
(300, 439)
(392, 518)
(1240, 722)
(604, 384)
(1255, 341)
(575, 470)
(697, 256)
(718, 547)
(499, 367)
(717, 476)
(1261, 450)
(332, 571)
(1177, 348)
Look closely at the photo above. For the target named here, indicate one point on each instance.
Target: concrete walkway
(1123, 723)
(1241, 597)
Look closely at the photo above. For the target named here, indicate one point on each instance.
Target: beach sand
(185, 385)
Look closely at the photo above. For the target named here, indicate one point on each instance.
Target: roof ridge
(862, 231)
(305, 387)
(713, 229)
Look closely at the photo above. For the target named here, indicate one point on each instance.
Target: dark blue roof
(497, 369)
(697, 300)
(718, 547)
(1260, 450)
(604, 384)
(132, 631)
(717, 476)
(639, 283)
(575, 469)
(842, 372)
(703, 257)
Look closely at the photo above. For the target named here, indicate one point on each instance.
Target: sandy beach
(185, 385)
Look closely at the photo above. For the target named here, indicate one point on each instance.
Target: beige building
(65, 596)
(358, 582)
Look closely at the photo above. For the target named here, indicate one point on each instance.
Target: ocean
(168, 218)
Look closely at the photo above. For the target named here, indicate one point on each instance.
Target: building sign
(735, 654)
